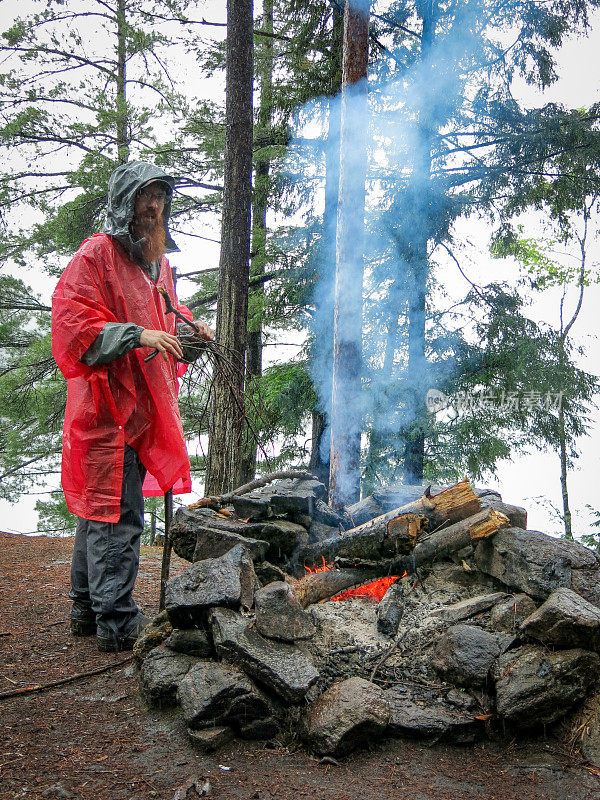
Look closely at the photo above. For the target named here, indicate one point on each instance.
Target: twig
(387, 654)
(40, 687)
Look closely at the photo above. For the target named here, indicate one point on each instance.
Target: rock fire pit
(433, 614)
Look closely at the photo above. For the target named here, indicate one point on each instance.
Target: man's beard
(151, 227)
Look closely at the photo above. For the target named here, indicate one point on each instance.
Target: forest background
(55, 126)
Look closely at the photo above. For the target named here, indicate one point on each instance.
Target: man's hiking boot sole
(83, 627)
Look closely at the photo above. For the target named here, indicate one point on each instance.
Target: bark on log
(444, 542)
(324, 585)
(375, 538)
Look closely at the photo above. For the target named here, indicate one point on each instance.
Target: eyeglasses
(152, 195)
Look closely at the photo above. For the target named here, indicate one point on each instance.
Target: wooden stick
(40, 687)
(167, 546)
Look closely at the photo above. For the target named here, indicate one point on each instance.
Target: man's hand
(163, 342)
(204, 331)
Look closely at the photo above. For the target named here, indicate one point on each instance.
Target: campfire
(431, 613)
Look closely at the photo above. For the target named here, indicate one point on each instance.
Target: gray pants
(106, 558)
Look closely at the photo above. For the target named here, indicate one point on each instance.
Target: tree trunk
(260, 204)
(152, 528)
(346, 414)
(564, 461)
(322, 351)
(227, 421)
(316, 465)
(383, 442)
(414, 452)
(122, 116)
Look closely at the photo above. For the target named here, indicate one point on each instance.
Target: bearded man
(122, 416)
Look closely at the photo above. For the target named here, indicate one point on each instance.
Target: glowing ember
(324, 568)
(374, 590)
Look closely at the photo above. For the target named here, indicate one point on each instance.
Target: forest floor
(94, 738)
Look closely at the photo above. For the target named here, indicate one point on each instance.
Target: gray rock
(326, 515)
(281, 667)
(537, 564)
(297, 496)
(348, 713)
(219, 694)
(188, 523)
(467, 608)
(565, 620)
(267, 573)
(252, 506)
(317, 532)
(193, 641)
(266, 728)
(363, 511)
(425, 716)
(225, 581)
(390, 610)
(280, 616)
(460, 699)
(535, 686)
(284, 536)
(516, 514)
(465, 654)
(211, 543)
(508, 614)
(211, 739)
(161, 673)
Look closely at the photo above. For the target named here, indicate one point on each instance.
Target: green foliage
(55, 518)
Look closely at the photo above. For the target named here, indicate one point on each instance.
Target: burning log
(323, 585)
(397, 531)
(449, 540)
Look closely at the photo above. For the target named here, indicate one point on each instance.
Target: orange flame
(374, 590)
(324, 568)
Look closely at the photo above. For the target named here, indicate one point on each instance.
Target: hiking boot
(83, 627)
(83, 619)
(112, 645)
(106, 645)
(128, 641)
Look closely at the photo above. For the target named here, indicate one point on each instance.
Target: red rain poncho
(125, 401)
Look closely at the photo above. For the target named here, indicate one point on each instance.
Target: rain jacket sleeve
(114, 341)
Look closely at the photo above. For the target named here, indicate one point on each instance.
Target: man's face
(149, 207)
(148, 220)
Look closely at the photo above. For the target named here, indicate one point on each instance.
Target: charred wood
(324, 585)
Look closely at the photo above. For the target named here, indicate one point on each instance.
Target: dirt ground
(94, 738)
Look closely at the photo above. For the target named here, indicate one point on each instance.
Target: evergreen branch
(51, 51)
(212, 298)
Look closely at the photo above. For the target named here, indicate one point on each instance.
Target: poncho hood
(123, 186)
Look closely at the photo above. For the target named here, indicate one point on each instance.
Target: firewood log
(323, 585)
(446, 541)
(377, 538)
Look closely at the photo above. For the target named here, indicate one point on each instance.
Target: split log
(387, 535)
(324, 585)
(402, 534)
(446, 541)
